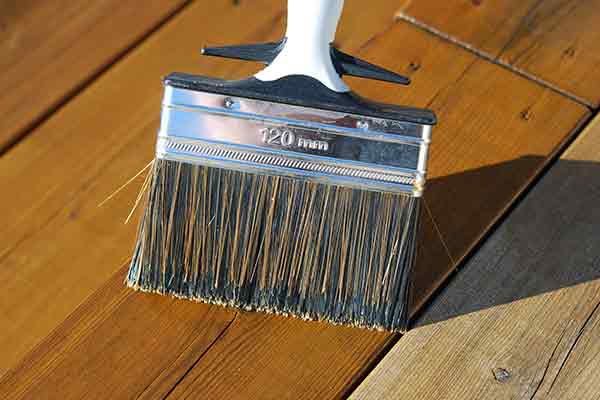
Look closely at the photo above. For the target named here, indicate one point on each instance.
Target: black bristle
(277, 244)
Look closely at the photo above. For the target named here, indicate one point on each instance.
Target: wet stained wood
(496, 131)
(58, 246)
(554, 40)
(50, 48)
(496, 144)
(522, 319)
(483, 138)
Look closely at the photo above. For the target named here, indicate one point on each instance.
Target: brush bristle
(277, 244)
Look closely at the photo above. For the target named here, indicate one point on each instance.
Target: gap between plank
(548, 164)
(401, 16)
(572, 347)
(180, 379)
(70, 95)
(373, 362)
(444, 282)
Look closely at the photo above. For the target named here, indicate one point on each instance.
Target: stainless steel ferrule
(279, 139)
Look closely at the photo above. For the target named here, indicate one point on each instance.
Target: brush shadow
(545, 244)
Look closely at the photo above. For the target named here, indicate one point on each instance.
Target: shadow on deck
(550, 240)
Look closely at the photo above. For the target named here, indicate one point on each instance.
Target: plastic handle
(311, 26)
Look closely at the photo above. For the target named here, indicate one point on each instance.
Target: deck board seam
(204, 352)
(360, 376)
(401, 16)
(580, 333)
(548, 363)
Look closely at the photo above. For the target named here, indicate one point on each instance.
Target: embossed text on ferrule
(287, 138)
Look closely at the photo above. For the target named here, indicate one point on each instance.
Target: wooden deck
(507, 288)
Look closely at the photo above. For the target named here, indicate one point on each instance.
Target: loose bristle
(277, 244)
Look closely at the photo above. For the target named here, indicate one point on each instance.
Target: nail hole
(526, 115)
(501, 375)
(414, 66)
(569, 52)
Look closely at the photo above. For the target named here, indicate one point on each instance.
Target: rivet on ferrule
(362, 124)
(231, 104)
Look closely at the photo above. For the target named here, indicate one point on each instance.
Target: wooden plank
(553, 40)
(50, 48)
(56, 245)
(313, 359)
(478, 131)
(522, 319)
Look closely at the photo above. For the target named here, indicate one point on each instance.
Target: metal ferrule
(280, 139)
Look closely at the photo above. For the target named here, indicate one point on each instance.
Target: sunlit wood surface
(70, 329)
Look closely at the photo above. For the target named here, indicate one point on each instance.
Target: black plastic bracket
(302, 91)
(261, 52)
(344, 64)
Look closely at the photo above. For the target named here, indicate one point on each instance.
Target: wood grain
(56, 245)
(522, 319)
(553, 40)
(482, 138)
(51, 48)
(165, 331)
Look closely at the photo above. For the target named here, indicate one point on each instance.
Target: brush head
(277, 244)
(284, 197)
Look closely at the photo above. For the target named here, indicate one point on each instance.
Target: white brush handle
(311, 26)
